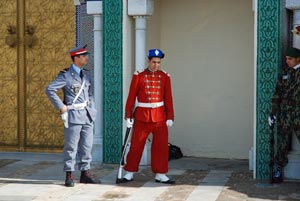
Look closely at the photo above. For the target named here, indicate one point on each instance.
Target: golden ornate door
(35, 36)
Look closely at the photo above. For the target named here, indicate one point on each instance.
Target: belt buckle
(153, 105)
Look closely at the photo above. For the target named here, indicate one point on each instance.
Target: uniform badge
(76, 88)
(285, 77)
(156, 52)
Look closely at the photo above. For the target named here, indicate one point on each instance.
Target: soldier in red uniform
(153, 113)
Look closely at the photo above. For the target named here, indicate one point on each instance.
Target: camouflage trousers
(288, 123)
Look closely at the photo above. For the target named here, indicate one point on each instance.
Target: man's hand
(129, 122)
(271, 119)
(169, 122)
(63, 109)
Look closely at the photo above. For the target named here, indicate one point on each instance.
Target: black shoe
(278, 174)
(69, 180)
(165, 182)
(86, 178)
(123, 180)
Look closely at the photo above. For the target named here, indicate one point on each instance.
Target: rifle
(122, 160)
(271, 164)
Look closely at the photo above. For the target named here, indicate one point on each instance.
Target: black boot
(69, 180)
(278, 174)
(86, 178)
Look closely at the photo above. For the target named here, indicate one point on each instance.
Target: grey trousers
(78, 140)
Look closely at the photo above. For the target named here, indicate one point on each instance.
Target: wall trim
(112, 80)
(269, 60)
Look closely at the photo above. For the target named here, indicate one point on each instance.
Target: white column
(98, 89)
(296, 22)
(292, 170)
(95, 8)
(140, 42)
(139, 10)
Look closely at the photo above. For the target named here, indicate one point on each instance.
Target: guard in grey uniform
(78, 113)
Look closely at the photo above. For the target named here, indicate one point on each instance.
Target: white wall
(209, 54)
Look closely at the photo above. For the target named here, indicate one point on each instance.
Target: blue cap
(155, 53)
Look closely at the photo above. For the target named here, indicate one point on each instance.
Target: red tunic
(150, 87)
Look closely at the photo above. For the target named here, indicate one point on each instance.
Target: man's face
(292, 61)
(154, 63)
(81, 60)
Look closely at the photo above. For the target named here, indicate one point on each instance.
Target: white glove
(169, 122)
(271, 119)
(129, 122)
(64, 117)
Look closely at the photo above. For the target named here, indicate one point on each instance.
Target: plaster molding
(140, 22)
(140, 7)
(79, 2)
(292, 4)
(94, 7)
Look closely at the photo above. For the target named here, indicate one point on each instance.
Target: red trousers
(159, 148)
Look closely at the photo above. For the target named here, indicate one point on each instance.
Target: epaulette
(139, 71)
(64, 70)
(166, 73)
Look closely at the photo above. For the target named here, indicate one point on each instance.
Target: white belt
(150, 105)
(78, 106)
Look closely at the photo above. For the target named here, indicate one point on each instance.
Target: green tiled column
(112, 73)
(269, 45)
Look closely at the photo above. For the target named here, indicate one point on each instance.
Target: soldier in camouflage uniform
(286, 109)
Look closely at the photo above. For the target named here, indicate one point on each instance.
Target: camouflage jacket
(287, 91)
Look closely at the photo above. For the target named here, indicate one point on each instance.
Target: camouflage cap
(292, 52)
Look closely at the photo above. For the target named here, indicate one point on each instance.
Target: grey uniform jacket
(70, 82)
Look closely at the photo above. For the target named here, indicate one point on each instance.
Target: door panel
(49, 32)
(53, 22)
(8, 75)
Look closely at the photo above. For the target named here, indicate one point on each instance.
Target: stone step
(292, 169)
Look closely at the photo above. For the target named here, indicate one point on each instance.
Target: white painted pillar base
(292, 170)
